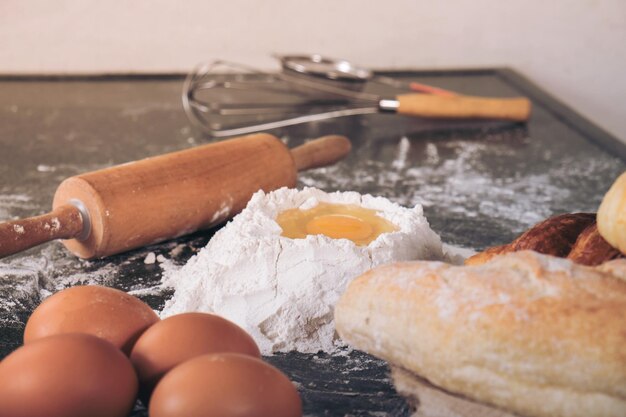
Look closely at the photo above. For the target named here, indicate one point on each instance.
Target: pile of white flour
(281, 290)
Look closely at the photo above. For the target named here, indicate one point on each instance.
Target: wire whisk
(224, 98)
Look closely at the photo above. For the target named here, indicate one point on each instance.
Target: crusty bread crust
(534, 334)
(592, 249)
(489, 253)
(616, 267)
(612, 215)
(553, 236)
(431, 401)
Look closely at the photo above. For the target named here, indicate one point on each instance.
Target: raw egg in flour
(70, 375)
(225, 385)
(176, 339)
(337, 221)
(278, 268)
(104, 312)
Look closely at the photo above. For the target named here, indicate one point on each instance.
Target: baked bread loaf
(592, 249)
(431, 401)
(612, 215)
(616, 268)
(574, 236)
(530, 333)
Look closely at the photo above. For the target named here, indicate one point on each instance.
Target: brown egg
(70, 375)
(225, 385)
(105, 312)
(182, 337)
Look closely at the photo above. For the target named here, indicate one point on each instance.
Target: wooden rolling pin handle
(64, 222)
(464, 107)
(159, 198)
(321, 152)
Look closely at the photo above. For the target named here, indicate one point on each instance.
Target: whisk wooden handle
(464, 107)
(64, 222)
(321, 152)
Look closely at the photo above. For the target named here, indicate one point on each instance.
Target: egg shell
(178, 338)
(70, 375)
(104, 312)
(225, 385)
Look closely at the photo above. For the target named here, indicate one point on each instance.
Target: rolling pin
(140, 203)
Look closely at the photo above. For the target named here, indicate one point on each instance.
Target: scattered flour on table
(283, 291)
(29, 278)
(456, 255)
(458, 178)
(46, 168)
(150, 258)
(11, 203)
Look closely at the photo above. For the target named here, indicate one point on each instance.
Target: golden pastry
(612, 215)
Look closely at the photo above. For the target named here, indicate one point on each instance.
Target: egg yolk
(337, 221)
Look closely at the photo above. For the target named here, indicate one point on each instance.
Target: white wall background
(575, 49)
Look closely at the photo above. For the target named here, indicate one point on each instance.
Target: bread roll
(554, 236)
(592, 249)
(616, 267)
(530, 333)
(612, 215)
(488, 254)
(432, 401)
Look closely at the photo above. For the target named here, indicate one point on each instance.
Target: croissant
(573, 235)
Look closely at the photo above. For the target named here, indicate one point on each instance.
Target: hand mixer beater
(224, 98)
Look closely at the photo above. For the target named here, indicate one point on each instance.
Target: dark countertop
(481, 183)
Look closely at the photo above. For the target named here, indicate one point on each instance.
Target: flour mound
(283, 291)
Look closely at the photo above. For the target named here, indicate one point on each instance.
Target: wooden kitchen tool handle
(464, 107)
(64, 222)
(321, 152)
(140, 203)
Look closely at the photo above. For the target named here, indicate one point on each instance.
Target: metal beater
(225, 99)
(340, 72)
